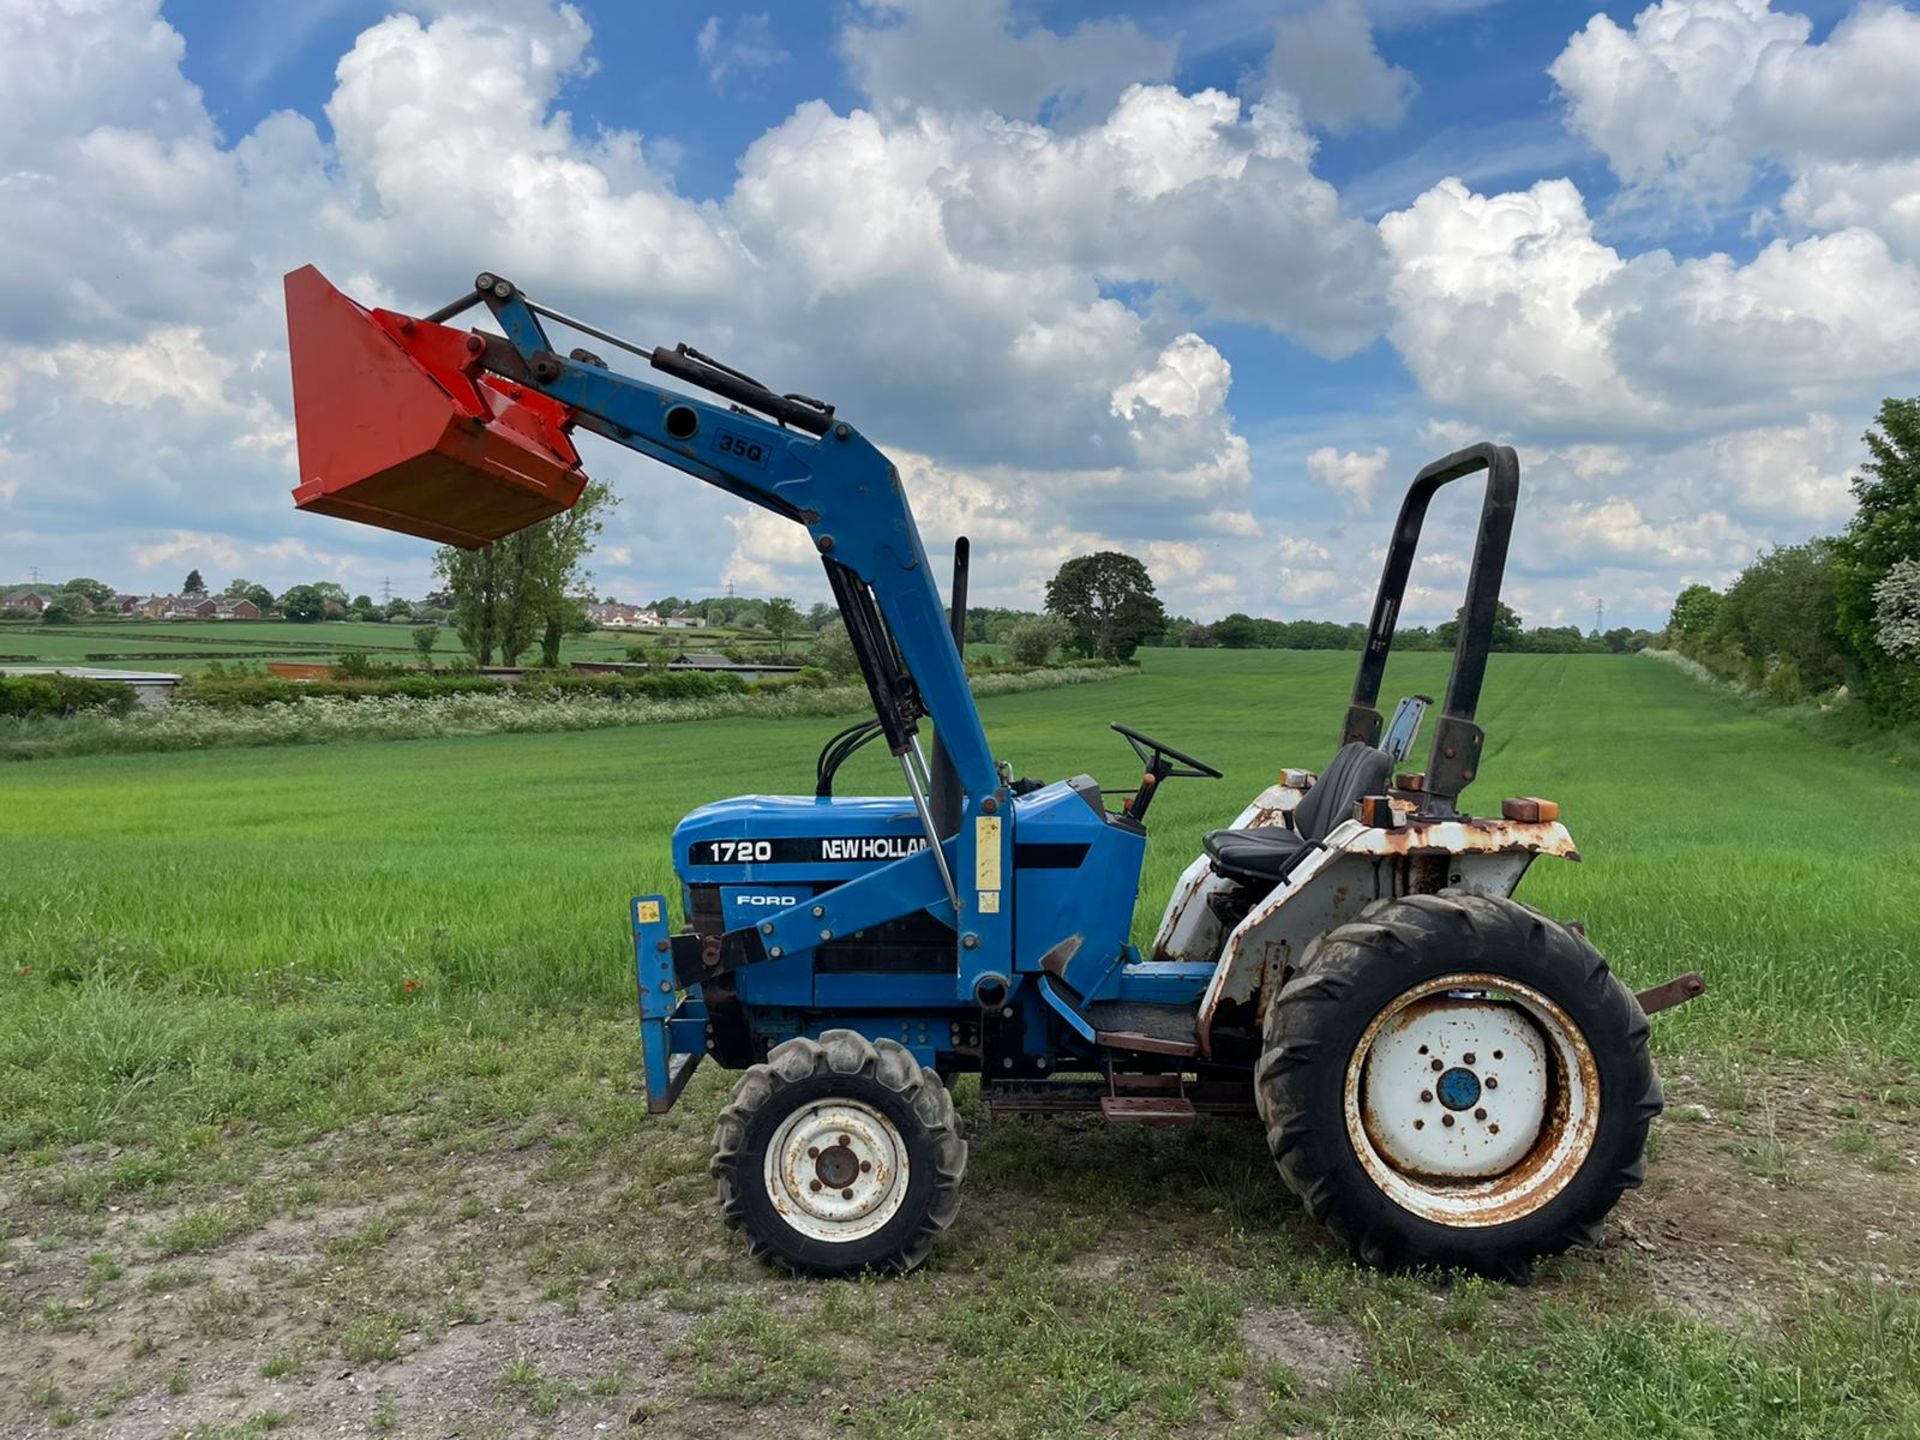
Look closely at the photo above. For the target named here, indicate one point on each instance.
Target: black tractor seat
(1262, 857)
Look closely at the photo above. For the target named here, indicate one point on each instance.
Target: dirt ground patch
(367, 1288)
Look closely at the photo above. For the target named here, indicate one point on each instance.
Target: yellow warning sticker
(647, 912)
(986, 852)
(989, 902)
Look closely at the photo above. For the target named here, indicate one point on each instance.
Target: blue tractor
(1444, 1075)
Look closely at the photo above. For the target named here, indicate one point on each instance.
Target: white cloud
(1508, 307)
(964, 56)
(1690, 103)
(1660, 100)
(194, 546)
(1325, 59)
(1615, 531)
(1193, 192)
(1348, 472)
(749, 48)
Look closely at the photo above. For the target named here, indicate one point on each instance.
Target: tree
(425, 637)
(782, 619)
(194, 584)
(94, 592)
(1781, 611)
(1107, 602)
(1508, 628)
(304, 603)
(821, 616)
(1036, 641)
(1897, 612)
(74, 602)
(510, 592)
(57, 613)
(559, 567)
(1884, 531)
(833, 652)
(241, 589)
(1695, 611)
(332, 597)
(1236, 632)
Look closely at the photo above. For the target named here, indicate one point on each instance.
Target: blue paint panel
(1093, 900)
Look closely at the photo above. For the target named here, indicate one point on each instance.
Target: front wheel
(1456, 1080)
(839, 1155)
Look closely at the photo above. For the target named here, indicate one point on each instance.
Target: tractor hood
(771, 838)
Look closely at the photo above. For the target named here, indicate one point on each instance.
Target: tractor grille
(914, 944)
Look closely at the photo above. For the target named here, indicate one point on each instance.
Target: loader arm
(788, 455)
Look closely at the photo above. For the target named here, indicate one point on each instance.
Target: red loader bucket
(400, 428)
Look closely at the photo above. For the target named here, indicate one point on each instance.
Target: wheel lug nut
(846, 1194)
(1426, 1097)
(865, 1166)
(813, 1152)
(813, 1184)
(1467, 1059)
(1438, 1065)
(1419, 1124)
(844, 1140)
(1447, 1120)
(1492, 1084)
(1494, 1129)
(1480, 1114)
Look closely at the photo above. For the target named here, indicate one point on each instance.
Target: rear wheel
(1456, 1080)
(839, 1155)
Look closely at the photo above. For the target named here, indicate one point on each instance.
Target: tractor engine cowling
(746, 859)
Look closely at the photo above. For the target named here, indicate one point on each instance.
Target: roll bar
(1457, 740)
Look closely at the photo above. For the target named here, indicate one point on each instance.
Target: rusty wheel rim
(1472, 1100)
(836, 1170)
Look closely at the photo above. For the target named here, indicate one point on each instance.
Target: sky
(1207, 282)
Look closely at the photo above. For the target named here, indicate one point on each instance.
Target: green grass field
(242, 1158)
(1715, 838)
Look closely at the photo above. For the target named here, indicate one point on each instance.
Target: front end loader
(1445, 1076)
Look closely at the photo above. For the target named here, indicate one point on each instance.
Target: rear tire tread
(1431, 934)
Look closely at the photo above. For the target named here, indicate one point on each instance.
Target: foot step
(1148, 1109)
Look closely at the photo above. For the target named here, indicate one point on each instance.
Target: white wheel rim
(1472, 1100)
(836, 1170)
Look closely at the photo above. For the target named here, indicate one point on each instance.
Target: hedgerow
(40, 696)
(323, 716)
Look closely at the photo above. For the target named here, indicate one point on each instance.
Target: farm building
(33, 601)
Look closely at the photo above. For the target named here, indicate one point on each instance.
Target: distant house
(31, 600)
(615, 616)
(234, 607)
(127, 604)
(681, 620)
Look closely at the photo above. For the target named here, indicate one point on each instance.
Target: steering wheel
(1150, 750)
